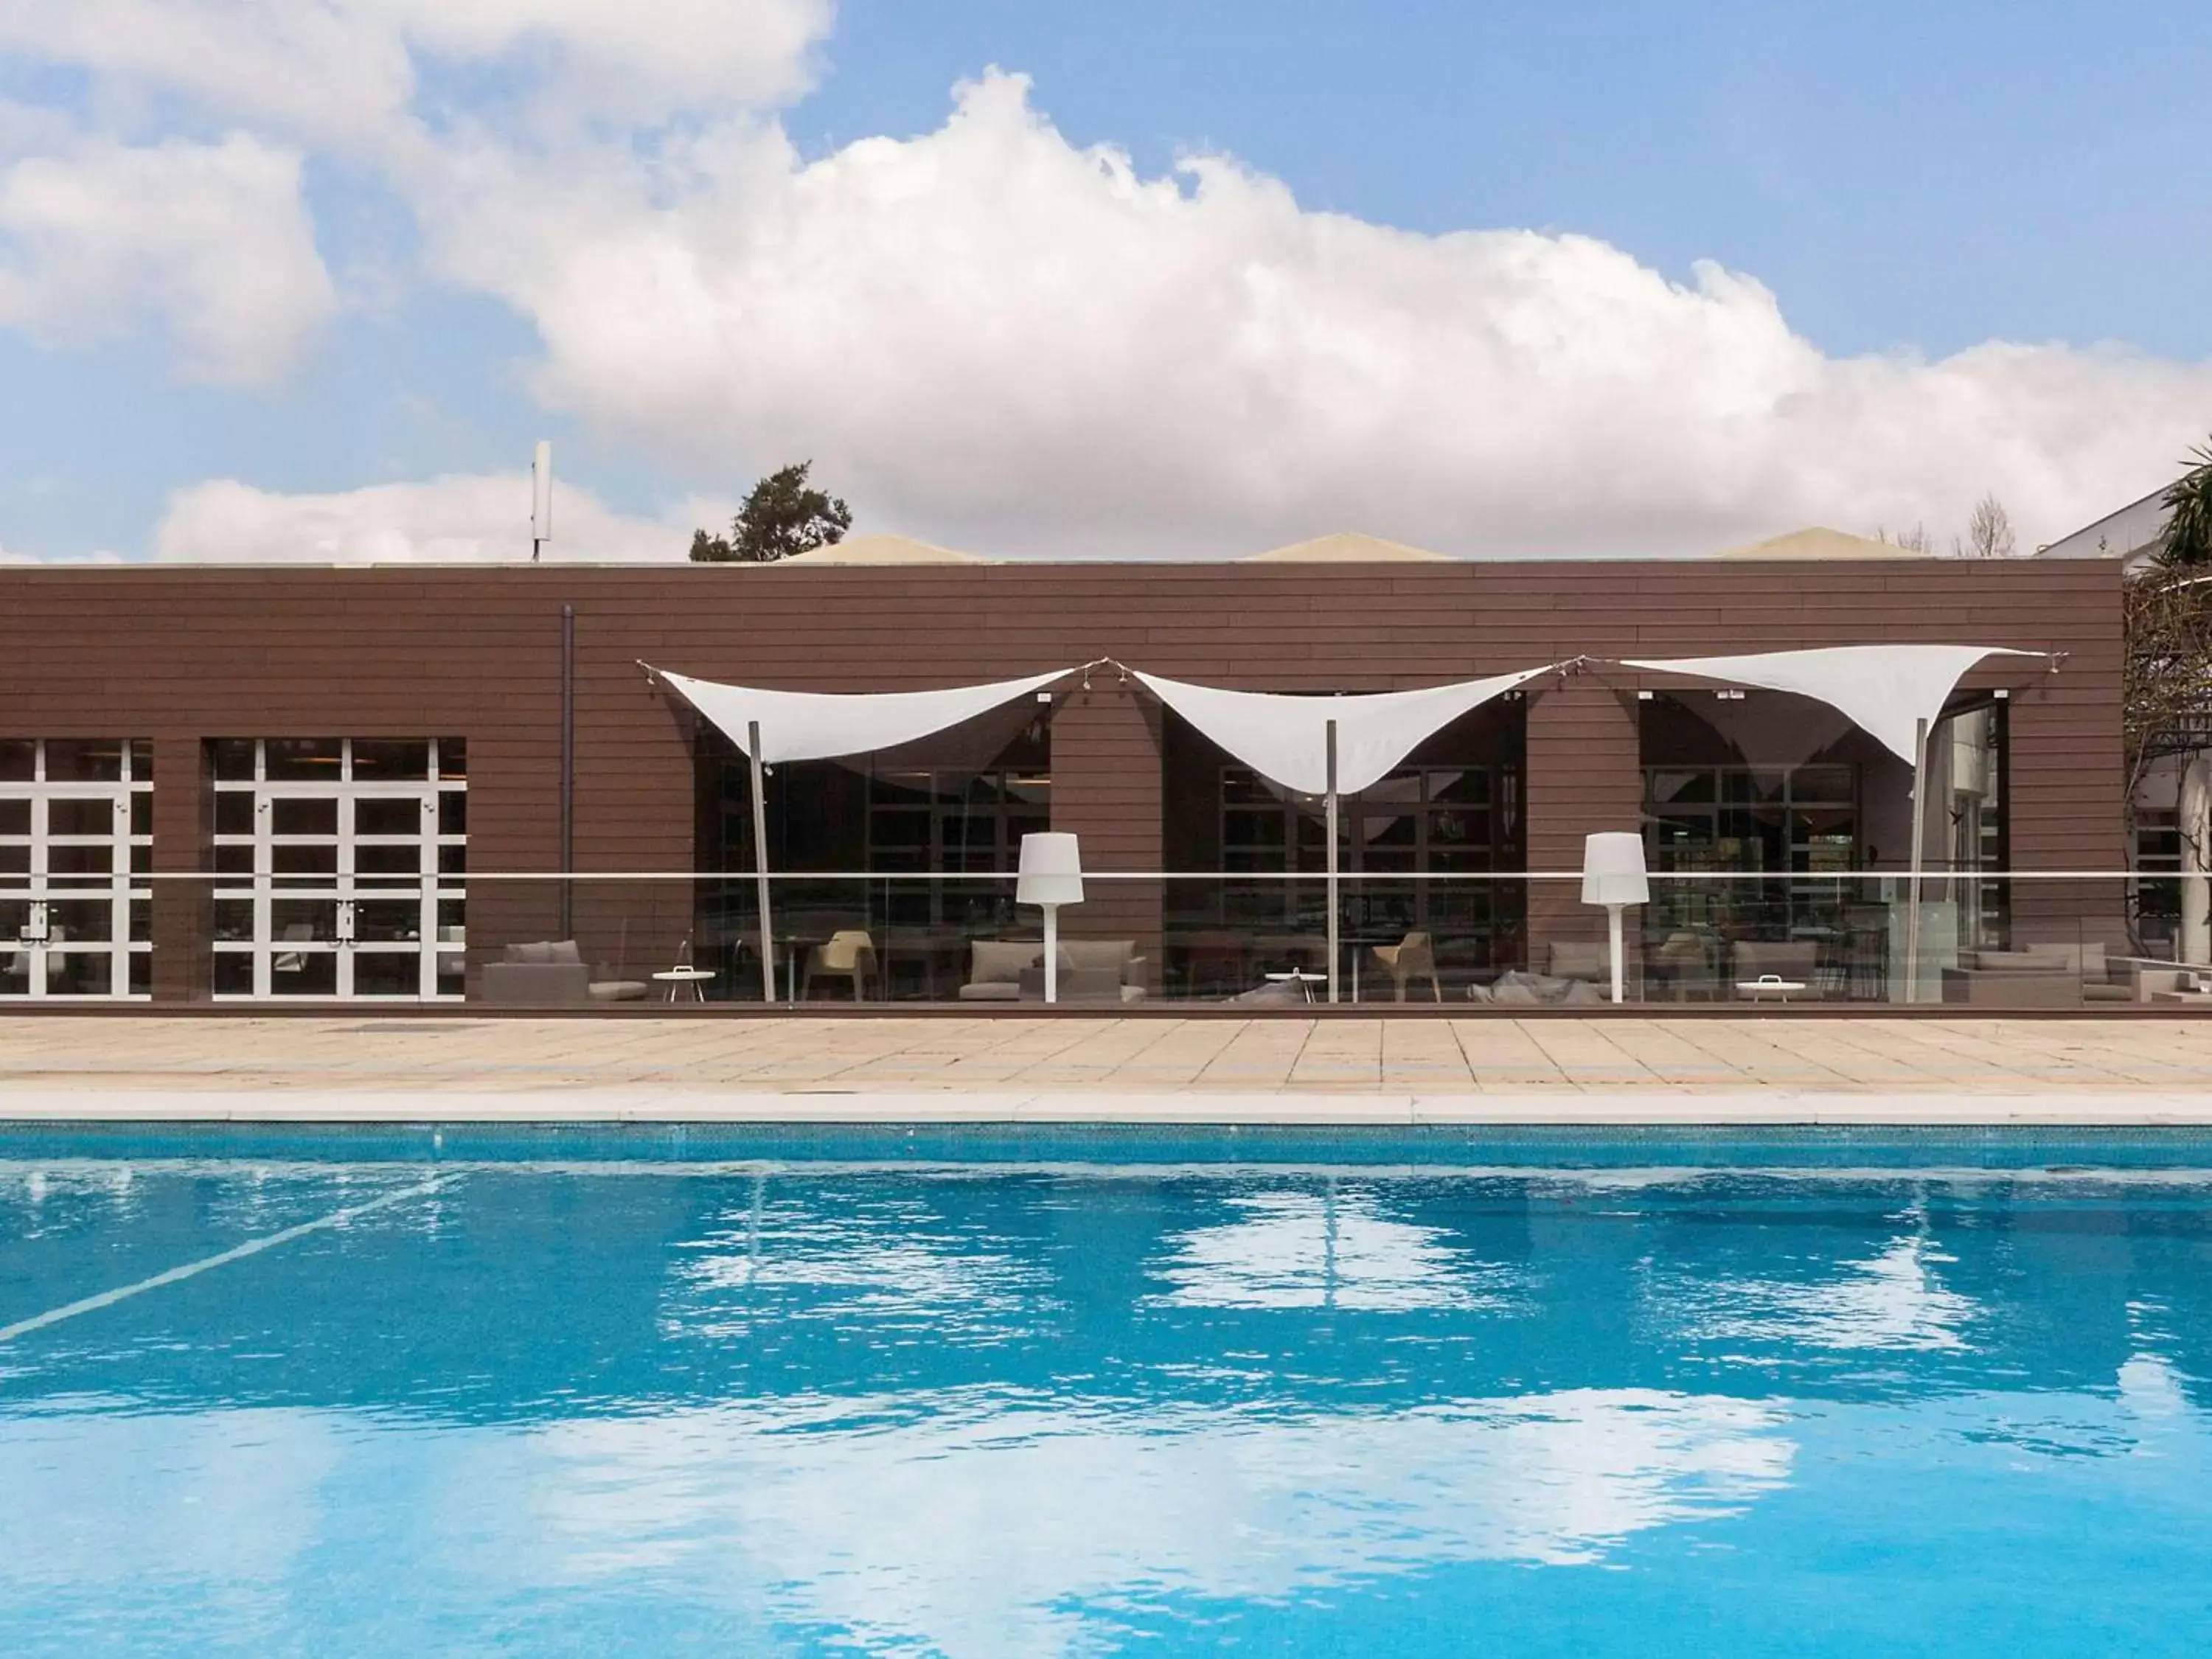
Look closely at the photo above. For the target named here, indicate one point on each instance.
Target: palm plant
(2189, 532)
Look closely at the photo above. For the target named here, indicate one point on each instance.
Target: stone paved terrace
(1764, 1067)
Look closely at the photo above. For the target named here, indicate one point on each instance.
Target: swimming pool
(401, 1391)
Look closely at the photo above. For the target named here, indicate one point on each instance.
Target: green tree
(2189, 532)
(783, 515)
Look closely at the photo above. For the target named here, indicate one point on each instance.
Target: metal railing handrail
(459, 877)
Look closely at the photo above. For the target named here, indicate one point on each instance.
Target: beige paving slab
(1671, 1055)
(1501, 1054)
(1292, 1058)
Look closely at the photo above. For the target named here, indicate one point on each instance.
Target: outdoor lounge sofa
(1591, 961)
(2051, 975)
(552, 974)
(1090, 971)
(995, 967)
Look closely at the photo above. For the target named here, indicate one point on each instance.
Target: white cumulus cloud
(212, 240)
(991, 335)
(350, 71)
(461, 520)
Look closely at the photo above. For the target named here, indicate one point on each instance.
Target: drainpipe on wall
(567, 769)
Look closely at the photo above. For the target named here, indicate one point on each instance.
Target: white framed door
(349, 856)
(76, 821)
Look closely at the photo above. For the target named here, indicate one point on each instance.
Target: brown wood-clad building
(181, 660)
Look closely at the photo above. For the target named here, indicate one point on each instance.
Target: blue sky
(1908, 182)
(1900, 173)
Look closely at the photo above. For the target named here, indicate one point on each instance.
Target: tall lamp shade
(1050, 875)
(1613, 869)
(1051, 870)
(1614, 876)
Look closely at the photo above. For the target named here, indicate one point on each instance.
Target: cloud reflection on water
(990, 1527)
(1891, 1300)
(1305, 1250)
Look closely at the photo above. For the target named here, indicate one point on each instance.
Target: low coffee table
(676, 978)
(1305, 978)
(1770, 990)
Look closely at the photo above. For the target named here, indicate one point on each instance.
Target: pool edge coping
(1594, 1109)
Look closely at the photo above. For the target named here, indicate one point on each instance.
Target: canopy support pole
(760, 860)
(1331, 832)
(567, 766)
(1919, 836)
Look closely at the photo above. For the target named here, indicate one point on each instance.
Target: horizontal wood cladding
(180, 654)
(1584, 775)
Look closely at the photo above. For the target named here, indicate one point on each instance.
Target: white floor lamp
(1051, 875)
(1614, 876)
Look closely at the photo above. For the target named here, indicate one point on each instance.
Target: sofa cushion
(1095, 956)
(620, 990)
(2021, 962)
(1274, 992)
(991, 990)
(539, 984)
(2087, 960)
(1581, 959)
(538, 951)
(1796, 960)
(1516, 987)
(1000, 962)
(564, 951)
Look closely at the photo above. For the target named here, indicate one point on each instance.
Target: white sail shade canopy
(801, 725)
(1285, 738)
(1884, 689)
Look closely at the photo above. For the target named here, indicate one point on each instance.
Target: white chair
(849, 953)
(1413, 957)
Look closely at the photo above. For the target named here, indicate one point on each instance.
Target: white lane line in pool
(251, 1246)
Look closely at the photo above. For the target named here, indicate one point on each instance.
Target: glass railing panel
(1461, 940)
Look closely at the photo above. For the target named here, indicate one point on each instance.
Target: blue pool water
(1007, 1394)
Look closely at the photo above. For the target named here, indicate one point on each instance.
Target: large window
(1446, 820)
(77, 840)
(1437, 845)
(853, 843)
(1795, 821)
(347, 859)
(955, 823)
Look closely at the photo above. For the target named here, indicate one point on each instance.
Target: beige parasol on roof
(884, 550)
(1818, 542)
(1345, 547)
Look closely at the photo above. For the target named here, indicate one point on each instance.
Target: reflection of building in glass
(1453, 810)
(1793, 828)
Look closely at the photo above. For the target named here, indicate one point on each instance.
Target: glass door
(352, 856)
(76, 821)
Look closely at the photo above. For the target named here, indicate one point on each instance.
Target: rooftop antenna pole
(541, 498)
